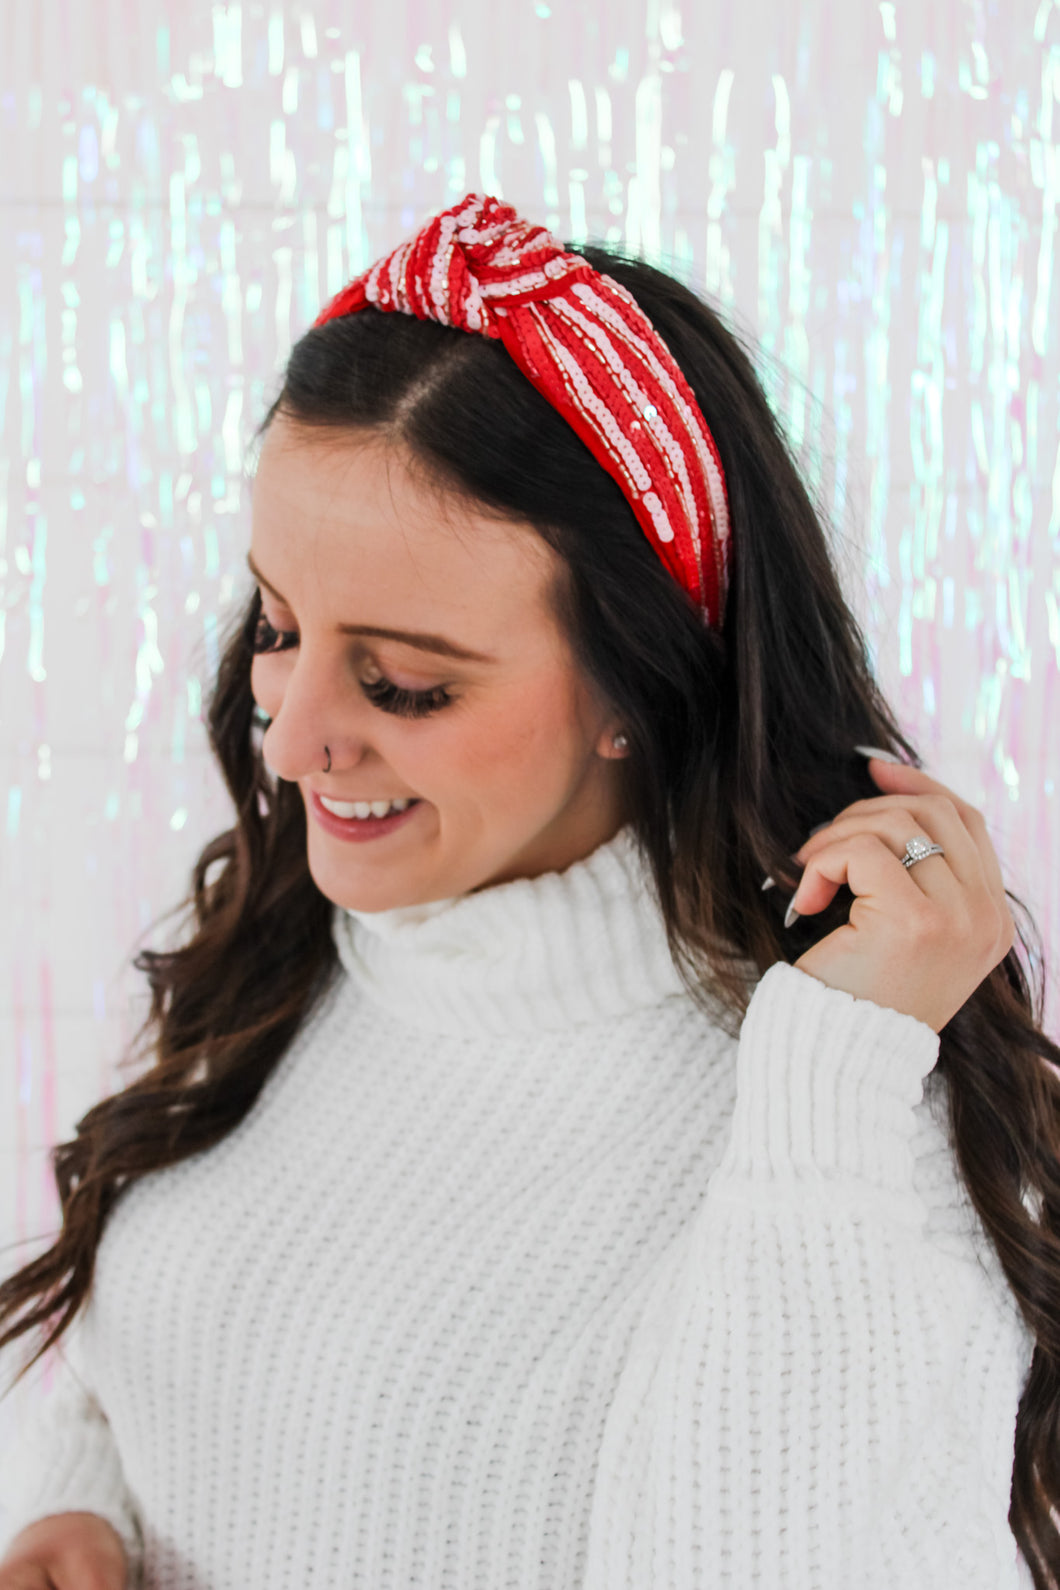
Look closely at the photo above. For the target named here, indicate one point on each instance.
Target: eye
(381, 692)
(265, 638)
(405, 703)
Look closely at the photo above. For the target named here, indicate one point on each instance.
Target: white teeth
(340, 808)
(363, 808)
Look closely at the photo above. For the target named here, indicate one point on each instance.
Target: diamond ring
(917, 848)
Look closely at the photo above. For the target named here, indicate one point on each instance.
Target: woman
(522, 1191)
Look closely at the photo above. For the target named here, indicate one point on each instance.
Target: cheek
(525, 733)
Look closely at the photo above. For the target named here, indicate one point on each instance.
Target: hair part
(741, 741)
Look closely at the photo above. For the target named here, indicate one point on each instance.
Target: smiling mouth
(363, 809)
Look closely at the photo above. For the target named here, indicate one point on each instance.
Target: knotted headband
(587, 346)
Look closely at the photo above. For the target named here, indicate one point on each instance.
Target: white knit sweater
(523, 1274)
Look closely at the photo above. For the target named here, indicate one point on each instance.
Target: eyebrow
(410, 637)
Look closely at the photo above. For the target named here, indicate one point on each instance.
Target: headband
(587, 346)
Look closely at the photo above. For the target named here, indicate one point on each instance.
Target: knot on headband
(587, 346)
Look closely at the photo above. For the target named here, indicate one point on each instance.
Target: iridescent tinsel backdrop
(869, 190)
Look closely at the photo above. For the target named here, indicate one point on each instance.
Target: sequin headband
(587, 346)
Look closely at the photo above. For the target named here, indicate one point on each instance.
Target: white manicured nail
(884, 756)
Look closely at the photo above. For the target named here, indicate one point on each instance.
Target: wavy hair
(740, 743)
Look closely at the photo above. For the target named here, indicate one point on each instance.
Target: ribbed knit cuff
(69, 1464)
(826, 1086)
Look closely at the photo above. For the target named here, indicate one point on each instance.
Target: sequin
(587, 346)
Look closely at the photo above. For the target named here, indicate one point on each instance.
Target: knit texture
(524, 1274)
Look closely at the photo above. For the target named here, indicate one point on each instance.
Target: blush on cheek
(528, 738)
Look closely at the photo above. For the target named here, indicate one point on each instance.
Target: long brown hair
(740, 743)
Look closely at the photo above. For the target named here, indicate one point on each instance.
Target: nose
(316, 710)
(299, 756)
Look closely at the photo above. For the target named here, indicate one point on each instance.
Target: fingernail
(770, 883)
(884, 756)
(792, 915)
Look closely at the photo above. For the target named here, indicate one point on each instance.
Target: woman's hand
(67, 1551)
(920, 939)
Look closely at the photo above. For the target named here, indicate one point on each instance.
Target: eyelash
(380, 692)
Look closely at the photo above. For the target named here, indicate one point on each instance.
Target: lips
(361, 828)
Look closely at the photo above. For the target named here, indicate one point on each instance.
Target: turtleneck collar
(533, 954)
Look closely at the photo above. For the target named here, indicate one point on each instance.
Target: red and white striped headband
(587, 346)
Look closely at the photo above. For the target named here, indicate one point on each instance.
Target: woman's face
(511, 768)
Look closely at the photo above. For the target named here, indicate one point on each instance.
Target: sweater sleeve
(823, 1391)
(67, 1459)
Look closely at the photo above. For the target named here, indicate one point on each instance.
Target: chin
(353, 899)
(358, 888)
